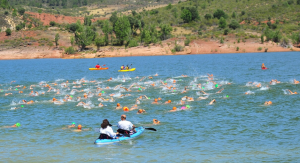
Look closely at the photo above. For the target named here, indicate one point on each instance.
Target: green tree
(122, 29)
(4, 4)
(8, 32)
(233, 15)
(84, 36)
(99, 41)
(52, 23)
(207, 16)
(222, 23)
(113, 18)
(72, 40)
(298, 2)
(234, 24)
(186, 15)
(146, 36)
(21, 11)
(169, 6)
(107, 29)
(87, 21)
(219, 13)
(262, 39)
(165, 30)
(56, 39)
(14, 13)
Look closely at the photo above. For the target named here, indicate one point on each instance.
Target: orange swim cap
(79, 127)
(140, 110)
(169, 101)
(125, 108)
(118, 104)
(174, 108)
(54, 99)
(155, 100)
(159, 98)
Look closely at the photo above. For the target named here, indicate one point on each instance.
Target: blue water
(237, 128)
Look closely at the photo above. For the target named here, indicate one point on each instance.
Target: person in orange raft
(98, 66)
(156, 122)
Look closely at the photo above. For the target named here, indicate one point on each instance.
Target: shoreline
(195, 47)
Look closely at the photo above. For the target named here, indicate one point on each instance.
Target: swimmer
(190, 99)
(182, 102)
(220, 91)
(30, 102)
(141, 111)
(137, 101)
(156, 74)
(168, 102)
(71, 126)
(6, 94)
(118, 106)
(12, 82)
(156, 122)
(173, 110)
(134, 107)
(203, 98)
(100, 105)
(79, 129)
(150, 77)
(212, 102)
(292, 93)
(15, 125)
(184, 75)
(204, 93)
(80, 103)
(24, 101)
(268, 103)
(296, 82)
(110, 79)
(155, 101)
(20, 91)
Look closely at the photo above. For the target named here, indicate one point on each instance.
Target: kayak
(139, 131)
(132, 69)
(264, 68)
(103, 68)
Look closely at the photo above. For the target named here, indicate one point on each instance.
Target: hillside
(99, 28)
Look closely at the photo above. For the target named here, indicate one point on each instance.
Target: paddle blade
(153, 129)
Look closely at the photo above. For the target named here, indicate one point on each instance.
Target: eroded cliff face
(9, 22)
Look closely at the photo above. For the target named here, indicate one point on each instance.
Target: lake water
(237, 128)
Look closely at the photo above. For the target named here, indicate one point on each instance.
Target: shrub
(243, 13)
(132, 43)
(73, 27)
(234, 24)
(277, 36)
(295, 37)
(284, 42)
(52, 23)
(6, 13)
(298, 2)
(259, 48)
(69, 50)
(233, 15)
(219, 13)
(207, 16)
(169, 6)
(237, 48)
(222, 23)
(262, 39)
(226, 31)
(21, 11)
(199, 32)
(290, 2)
(187, 42)
(222, 40)
(14, 13)
(8, 32)
(266, 49)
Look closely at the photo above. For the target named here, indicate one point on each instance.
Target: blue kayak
(139, 131)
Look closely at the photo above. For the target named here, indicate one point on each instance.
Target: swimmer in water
(156, 122)
(203, 98)
(155, 101)
(292, 93)
(137, 102)
(15, 125)
(6, 94)
(296, 82)
(268, 103)
(100, 105)
(212, 102)
(71, 126)
(141, 111)
(118, 106)
(79, 129)
(110, 79)
(168, 102)
(204, 93)
(134, 107)
(173, 110)
(220, 91)
(190, 99)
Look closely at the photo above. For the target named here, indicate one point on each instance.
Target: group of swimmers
(169, 85)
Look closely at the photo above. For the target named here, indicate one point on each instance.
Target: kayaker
(98, 66)
(125, 126)
(106, 132)
(263, 66)
(122, 67)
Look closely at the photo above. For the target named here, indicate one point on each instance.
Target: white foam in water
(286, 92)
(57, 80)
(264, 88)
(249, 92)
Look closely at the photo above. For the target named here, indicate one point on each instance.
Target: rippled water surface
(237, 128)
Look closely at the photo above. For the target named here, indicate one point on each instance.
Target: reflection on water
(238, 126)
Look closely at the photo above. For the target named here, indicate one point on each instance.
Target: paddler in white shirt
(125, 126)
(106, 132)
